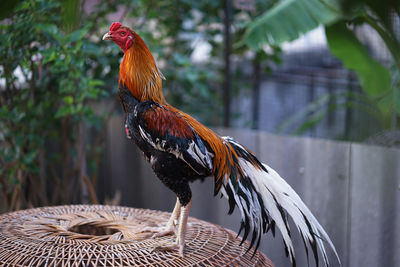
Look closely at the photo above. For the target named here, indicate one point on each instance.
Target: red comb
(115, 26)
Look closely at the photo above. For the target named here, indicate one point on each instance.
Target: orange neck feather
(138, 72)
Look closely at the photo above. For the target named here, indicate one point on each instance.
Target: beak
(107, 36)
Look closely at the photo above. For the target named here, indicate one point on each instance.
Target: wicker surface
(83, 235)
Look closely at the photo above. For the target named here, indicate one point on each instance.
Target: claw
(170, 231)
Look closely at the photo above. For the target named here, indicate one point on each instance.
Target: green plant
(339, 18)
(50, 75)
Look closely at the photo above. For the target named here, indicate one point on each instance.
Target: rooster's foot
(159, 231)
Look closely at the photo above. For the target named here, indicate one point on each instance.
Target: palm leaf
(374, 78)
(288, 19)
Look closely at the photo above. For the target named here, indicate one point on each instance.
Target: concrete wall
(353, 189)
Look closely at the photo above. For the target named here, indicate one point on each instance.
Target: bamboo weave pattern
(97, 235)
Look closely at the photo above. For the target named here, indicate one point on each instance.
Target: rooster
(182, 150)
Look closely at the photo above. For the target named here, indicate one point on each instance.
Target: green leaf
(47, 28)
(288, 19)
(374, 78)
(68, 100)
(64, 111)
(94, 82)
(77, 35)
(49, 56)
(311, 121)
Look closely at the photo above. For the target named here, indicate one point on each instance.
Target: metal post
(256, 92)
(228, 77)
(349, 116)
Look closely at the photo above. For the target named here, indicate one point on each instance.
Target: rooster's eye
(123, 33)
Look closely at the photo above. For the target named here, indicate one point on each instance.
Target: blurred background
(311, 86)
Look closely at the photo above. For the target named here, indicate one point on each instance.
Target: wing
(165, 130)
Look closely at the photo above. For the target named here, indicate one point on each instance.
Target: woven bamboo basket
(86, 235)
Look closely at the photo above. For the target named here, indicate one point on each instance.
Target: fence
(353, 189)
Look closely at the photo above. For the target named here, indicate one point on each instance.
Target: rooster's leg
(169, 228)
(180, 238)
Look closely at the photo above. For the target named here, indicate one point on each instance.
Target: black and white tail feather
(264, 200)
